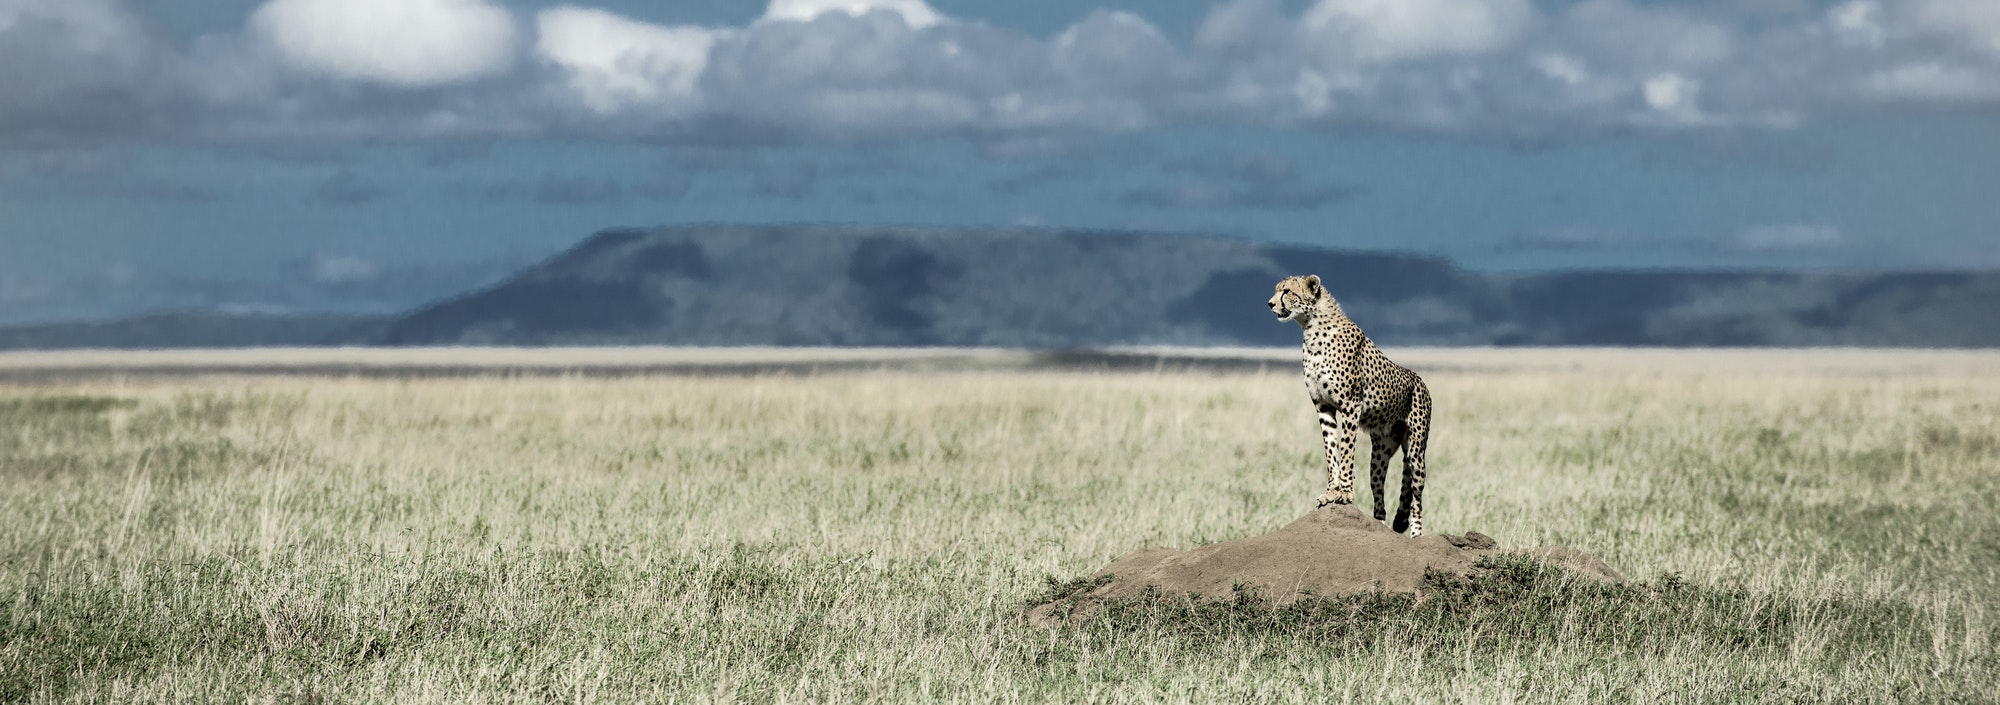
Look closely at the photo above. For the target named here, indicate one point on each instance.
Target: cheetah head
(1296, 297)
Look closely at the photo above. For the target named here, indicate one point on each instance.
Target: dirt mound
(1329, 551)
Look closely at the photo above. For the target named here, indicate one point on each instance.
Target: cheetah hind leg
(1410, 507)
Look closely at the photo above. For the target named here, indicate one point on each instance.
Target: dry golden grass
(874, 536)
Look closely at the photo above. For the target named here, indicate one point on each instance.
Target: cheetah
(1355, 386)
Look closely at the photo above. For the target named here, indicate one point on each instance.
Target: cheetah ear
(1312, 283)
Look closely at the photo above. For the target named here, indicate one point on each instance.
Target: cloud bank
(89, 71)
(398, 43)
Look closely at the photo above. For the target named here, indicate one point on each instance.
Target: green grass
(878, 537)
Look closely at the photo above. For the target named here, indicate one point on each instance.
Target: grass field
(1799, 528)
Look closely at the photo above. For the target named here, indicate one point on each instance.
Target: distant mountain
(190, 330)
(825, 285)
(856, 286)
(869, 286)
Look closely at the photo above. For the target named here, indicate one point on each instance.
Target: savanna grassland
(1796, 530)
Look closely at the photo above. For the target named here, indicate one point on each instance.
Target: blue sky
(363, 155)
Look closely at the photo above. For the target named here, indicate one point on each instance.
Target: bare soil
(1329, 551)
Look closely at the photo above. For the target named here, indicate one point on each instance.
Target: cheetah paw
(1336, 497)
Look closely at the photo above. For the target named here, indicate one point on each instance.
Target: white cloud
(1977, 22)
(1933, 81)
(402, 43)
(916, 13)
(1114, 66)
(614, 63)
(1244, 27)
(90, 26)
(1858, 24)
(1115, 41)
(1643, 39)
(1391, 30)
(842, 69)
(1670, 93)
(875, 75)
(82, 70)
(1562, 68)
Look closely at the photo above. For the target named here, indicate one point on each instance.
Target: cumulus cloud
(1858, 23)
(403, 43)
(89, 26)
(916, 13)
(1974, 22)
(1932, 81)
(864, 69)
(842, 73)
(81, 70)
(1392, 30)
(614, 64)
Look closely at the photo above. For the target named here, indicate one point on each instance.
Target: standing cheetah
(1356, 386)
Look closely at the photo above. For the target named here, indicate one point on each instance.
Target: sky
(291, 156)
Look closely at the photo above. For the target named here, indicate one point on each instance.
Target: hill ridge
(1059, 288)
(1056, 288)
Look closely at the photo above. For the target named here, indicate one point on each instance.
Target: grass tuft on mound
(1513, 607)
(1512, 599)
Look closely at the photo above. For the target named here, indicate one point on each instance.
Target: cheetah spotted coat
(1355, 387)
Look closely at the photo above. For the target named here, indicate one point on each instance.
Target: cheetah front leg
(1336, 427)
(1381, 448)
